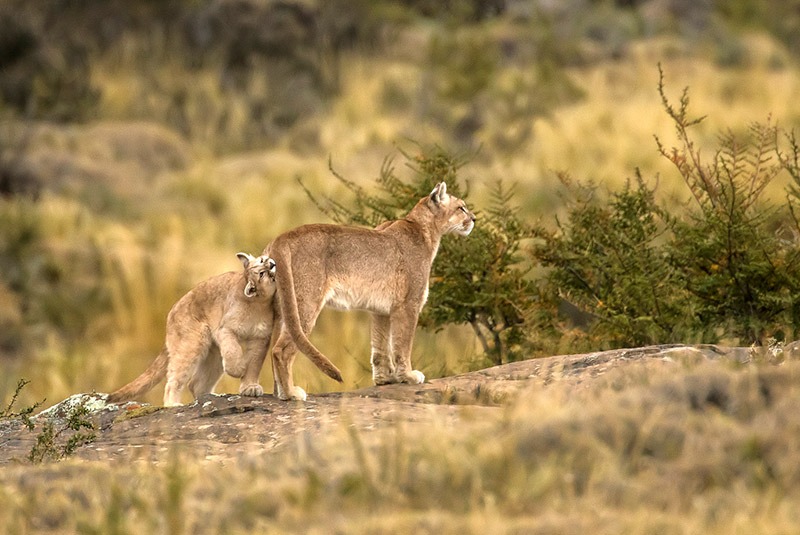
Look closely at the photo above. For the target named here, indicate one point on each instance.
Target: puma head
(259, 273)
(458, 218)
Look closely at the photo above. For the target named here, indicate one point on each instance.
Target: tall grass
(608, 134)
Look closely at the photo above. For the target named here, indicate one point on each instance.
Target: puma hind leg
(207, 374)
(380, 358)
(285, 350)
(283, 354)
(186, 351)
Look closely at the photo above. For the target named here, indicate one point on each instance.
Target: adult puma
(211, 321)
(384, 270)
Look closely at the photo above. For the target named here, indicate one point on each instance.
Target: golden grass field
(184, 210)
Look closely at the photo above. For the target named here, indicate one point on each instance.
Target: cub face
(459, 219)
(260, 275)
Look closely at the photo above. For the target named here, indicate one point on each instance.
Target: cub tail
(145, 382)
(290, 314)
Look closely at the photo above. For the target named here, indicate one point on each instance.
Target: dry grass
(609, 133)
(668, 447)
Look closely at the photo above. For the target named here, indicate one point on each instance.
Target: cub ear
(439, 193)
(250, 290)
(246, 259)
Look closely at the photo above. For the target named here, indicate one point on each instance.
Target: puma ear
(250, 290)
(246, 259)
(439, 193)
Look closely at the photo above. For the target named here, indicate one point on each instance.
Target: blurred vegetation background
(142, 144)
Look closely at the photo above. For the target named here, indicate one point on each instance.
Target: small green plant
(734, 253)
(53, 442)
(56, 442)
(24, 414)
(480, 280)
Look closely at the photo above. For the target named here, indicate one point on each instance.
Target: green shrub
(732, 250)
(726, 267)
(607, 259)
(479, 280)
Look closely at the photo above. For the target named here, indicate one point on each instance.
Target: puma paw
(414, 377)
(253, 390)
(297, 394)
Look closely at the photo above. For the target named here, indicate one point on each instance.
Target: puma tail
(288, 308)
(146, 381)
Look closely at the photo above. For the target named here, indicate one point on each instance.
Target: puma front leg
(255, 355)
(403, 323)
(233, 361)
(244, 365)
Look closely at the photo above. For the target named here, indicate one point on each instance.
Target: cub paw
(383, 378)
(253, 390)
(380, 381)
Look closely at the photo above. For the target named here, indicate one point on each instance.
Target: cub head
(259, 272)
(452, 211)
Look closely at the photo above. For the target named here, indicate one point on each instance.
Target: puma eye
(463, 209)
(261, 275)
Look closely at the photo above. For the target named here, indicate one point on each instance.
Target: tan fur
(384, 270)
(214, 320)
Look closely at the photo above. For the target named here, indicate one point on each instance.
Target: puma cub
(384, 270)
(214, 320)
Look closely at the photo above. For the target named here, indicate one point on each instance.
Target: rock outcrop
(217, 426)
